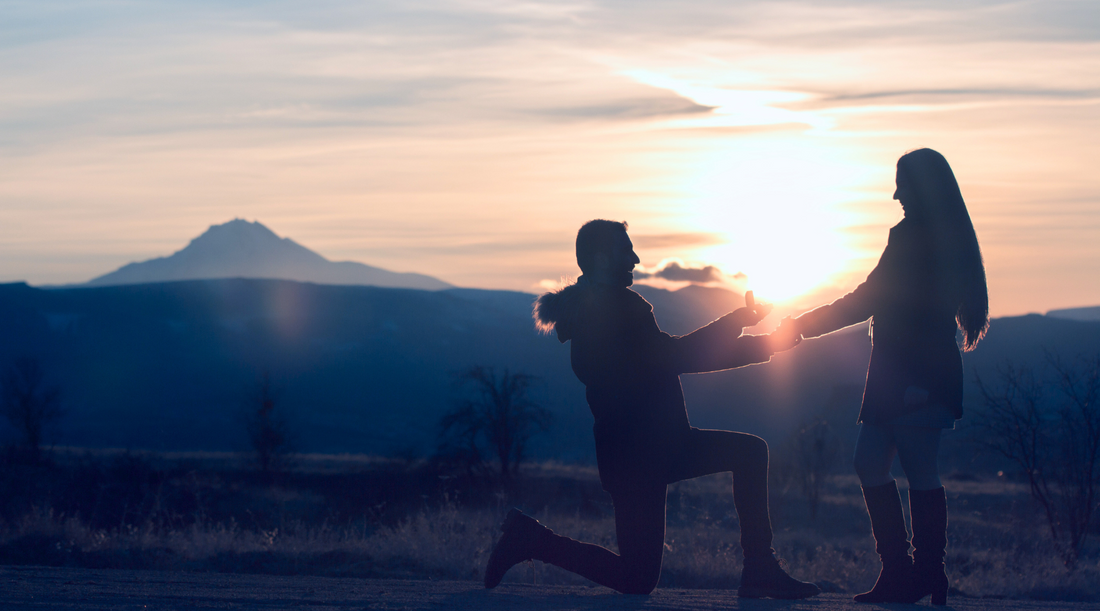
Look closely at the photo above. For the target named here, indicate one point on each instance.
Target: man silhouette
(630, 369)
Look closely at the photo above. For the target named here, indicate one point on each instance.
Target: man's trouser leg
(746, 457)
(639, 528)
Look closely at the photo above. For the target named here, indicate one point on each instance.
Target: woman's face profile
(904, 193)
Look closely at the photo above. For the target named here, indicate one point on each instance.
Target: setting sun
(782, 208)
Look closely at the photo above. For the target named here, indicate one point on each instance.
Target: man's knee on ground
(642, 574)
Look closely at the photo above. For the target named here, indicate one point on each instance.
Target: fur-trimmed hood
(570, 309)
(557, 310)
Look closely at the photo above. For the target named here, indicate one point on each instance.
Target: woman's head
(929, 193)
(926, 186)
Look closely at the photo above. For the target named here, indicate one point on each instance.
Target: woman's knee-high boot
(896, 580)
(928, 510)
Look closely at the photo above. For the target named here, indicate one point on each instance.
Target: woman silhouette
(929, 283)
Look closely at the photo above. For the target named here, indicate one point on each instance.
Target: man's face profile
(615, 265)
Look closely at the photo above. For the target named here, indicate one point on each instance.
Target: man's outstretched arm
(720, 344)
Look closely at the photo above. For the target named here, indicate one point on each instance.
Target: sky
(470, 139)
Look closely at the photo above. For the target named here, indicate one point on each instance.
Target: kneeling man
(630, 369)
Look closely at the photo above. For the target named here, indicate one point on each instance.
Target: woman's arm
(850, 309)
(860, 304)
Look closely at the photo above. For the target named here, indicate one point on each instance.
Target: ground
(41, 588)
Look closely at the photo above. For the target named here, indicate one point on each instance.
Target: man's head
(605, 253)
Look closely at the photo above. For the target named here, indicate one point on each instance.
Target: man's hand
(750, 316)
(787, 336)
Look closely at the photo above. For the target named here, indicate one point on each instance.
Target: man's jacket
(630, 369)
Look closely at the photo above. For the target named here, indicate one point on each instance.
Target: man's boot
(523, 538)
(895, 582)
(762, 577)
(928, 510)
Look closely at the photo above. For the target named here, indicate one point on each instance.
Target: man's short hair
(595, 237)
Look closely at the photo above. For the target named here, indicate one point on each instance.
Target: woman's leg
(918, 450)
(875, 451)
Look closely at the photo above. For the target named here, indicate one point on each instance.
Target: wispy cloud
(736, 107)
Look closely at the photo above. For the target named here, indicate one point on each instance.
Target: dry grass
(999, 544)
(447, 542)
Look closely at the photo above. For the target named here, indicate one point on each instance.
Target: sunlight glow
(778, 200)
(776, 195)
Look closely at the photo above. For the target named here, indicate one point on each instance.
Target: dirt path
(51, 588)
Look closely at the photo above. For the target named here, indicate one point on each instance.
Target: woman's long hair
(939, 203)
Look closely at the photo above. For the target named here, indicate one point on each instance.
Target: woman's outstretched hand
(787, 336)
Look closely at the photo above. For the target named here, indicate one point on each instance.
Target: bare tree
(267, 429)
(493, 423)
(29, 402)
(1051, 431)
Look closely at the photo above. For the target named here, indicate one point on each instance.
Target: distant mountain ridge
(243, 249)
(363, 369)
(1083, 314)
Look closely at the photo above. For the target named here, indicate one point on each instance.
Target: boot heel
(934, 582)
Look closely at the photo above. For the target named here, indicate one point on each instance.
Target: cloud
(675, 271)
(631, 109)
(735, 106)
(964, 93)
(671, 240)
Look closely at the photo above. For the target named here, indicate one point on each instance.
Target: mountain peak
(239, 229)
(240, 225)
(248, 249)
(240, 239)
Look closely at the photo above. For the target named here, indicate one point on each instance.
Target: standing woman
(929, 283)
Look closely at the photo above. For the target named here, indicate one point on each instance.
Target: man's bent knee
(756, 448)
